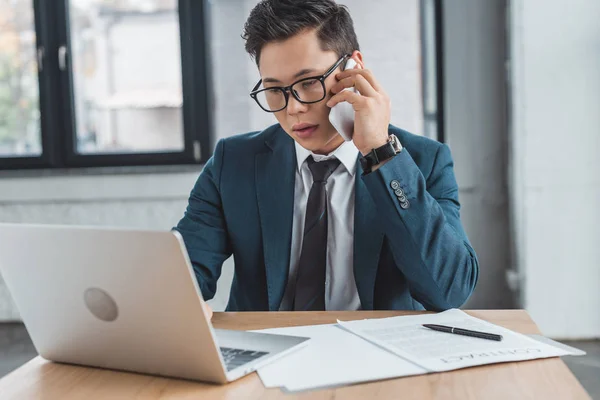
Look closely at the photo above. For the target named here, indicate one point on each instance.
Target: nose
(294, 107)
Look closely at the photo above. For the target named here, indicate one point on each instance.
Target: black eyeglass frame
(288, 89)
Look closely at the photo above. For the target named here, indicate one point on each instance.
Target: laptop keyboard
(236, 357)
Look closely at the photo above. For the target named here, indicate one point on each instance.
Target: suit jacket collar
(275, 179)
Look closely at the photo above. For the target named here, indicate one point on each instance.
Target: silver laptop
(126, 300)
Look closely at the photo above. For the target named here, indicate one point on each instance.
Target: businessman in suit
(315, 222)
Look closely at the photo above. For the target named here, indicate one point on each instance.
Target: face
(282, 64)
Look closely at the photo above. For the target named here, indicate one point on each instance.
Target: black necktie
(310, 281)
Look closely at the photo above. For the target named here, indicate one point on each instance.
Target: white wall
(475, 118)
(555, 149)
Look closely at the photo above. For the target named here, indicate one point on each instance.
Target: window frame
(56, 96)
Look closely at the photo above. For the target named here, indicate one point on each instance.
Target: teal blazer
(408, 255)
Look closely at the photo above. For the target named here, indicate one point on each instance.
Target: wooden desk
(537, 379)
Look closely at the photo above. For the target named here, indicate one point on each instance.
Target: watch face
(395, 143)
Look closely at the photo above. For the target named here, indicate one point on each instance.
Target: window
(87, 83)
(126, 63)
(407, 66)
(103, 83)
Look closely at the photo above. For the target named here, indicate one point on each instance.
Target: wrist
(373, 144)
(378, 156)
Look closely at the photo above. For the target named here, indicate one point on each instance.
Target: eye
(309, 84)
(273, 91)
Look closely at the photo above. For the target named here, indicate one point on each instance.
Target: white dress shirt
(340, 285)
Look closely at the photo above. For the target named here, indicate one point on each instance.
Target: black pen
(464, 332)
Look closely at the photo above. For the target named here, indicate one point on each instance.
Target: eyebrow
(299, 74)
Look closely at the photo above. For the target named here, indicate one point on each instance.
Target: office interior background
(109, 108)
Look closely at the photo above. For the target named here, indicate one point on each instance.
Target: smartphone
(341, 115)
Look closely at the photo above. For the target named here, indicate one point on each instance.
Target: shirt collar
(346, 153)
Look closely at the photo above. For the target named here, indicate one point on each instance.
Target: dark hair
(277, 20)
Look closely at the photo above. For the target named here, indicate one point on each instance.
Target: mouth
(304, 130)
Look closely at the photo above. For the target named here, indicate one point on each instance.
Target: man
(315, 222)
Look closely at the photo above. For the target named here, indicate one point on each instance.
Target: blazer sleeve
(421, 219)
(203, 226)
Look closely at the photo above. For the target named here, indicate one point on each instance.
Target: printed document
(373, 349)
(440, 351)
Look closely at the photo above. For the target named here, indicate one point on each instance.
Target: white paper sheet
(332, 357)
(440, 351)
(569, 349)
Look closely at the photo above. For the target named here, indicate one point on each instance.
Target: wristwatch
(380, 154)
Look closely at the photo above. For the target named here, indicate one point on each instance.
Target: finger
(366, 73)
(345, 83)
(357, 81)
(208, 310)
(348, 96)
(364, 86)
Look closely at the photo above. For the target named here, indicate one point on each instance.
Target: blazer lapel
(275, 179)
(368, 239)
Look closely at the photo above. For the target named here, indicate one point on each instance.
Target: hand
(208, 310)
(372, 107)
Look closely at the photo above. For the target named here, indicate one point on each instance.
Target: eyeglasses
(306, 90)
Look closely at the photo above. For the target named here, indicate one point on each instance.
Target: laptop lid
(112, 298)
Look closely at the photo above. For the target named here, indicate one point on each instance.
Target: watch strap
(380, 154)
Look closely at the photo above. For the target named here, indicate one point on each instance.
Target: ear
(358, 57)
